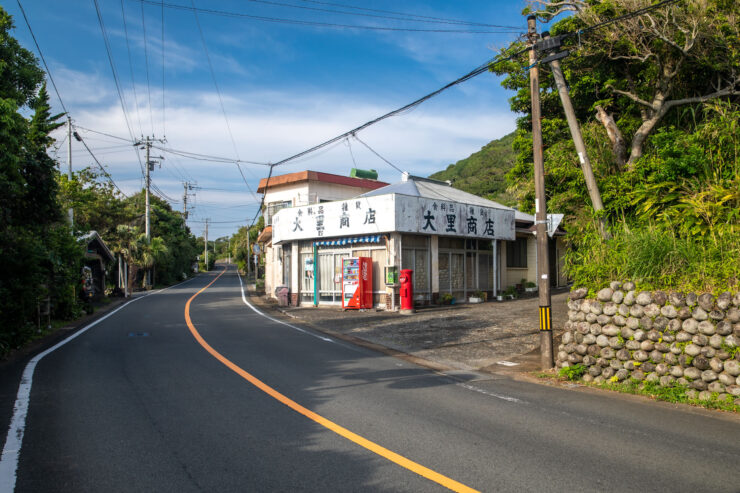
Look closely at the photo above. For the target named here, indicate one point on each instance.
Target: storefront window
(516, 253)
(415, 256)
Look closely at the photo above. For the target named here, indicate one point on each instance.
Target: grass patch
(677, 394)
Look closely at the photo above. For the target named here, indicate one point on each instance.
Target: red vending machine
(357, 282)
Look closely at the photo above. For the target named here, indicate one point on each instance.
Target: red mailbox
(407, 289)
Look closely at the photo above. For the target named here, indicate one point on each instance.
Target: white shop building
(455, 243)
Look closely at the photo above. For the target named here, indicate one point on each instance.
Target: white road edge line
(244, 299)
(491, 394)
(17, 428)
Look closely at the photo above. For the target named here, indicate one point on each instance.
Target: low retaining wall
(666, 338)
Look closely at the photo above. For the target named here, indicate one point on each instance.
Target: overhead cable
(395, 16)
(48, 72)
(299, 22)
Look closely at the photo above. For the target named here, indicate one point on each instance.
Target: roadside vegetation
(677, 394)
(42, 258)
(658, 101)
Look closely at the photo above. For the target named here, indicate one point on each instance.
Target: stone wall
(666, 338)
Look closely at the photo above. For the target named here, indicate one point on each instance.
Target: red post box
(407, 290)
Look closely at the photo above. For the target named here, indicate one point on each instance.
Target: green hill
(484, 173)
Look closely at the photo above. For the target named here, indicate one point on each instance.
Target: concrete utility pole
(70, 212)
(543, 258)
(249, 256)
(185, 202)
(205, 242)
(148, 183)
(575, 132)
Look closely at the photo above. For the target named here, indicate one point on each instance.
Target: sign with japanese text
(389, 213)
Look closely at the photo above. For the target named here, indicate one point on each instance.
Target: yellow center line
(339, 430)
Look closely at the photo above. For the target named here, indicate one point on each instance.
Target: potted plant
(476, 297)
(447, 299)
(511, 292)
(530, 287)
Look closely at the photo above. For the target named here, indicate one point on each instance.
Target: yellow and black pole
(543, 262)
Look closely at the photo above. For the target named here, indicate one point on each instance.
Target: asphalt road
(137, 403)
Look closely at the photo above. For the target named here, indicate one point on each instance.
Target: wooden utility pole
(543, 260)
(575, 132)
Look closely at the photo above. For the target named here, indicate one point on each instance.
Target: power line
(146, 65)
(440, 19)
(280, 20)
(131, 67)
(106, 41)
(102, 168)
(164, 127)
(220, 99)
(374, 152)
(405, 17)
(41, 54)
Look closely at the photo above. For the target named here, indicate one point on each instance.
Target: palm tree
(148, 252)
(126, 246)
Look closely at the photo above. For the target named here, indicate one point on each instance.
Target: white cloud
(269, 126)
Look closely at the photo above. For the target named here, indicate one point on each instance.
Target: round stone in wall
(691, 373)
(669, 311)
(629, 298)
(607, 353)
(700, 340)
(605, 294)
(644, 298)
(706, 301)
(667, 381)
(638, 375)
(676, 371)
(651, 310)
(699, 314)
(732, 367)
(708, 376)
(684, 312)
(691, 299)
(618, 296)
(579, 293)
(640, 355)
(676, 299)
(690, 325)
(692, 349)
(700, 362)
(724, 328)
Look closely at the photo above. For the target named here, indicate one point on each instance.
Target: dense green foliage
(483, 173)
(42, 259)
(671, 187)
(119, 220)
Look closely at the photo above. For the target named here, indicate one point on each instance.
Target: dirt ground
(477, 337)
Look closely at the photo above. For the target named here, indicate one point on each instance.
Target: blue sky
(285, 88)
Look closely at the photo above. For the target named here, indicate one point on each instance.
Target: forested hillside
(483, 173)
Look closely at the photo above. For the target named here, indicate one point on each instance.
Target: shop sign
(388, 213)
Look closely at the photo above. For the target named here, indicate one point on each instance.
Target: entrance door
(330, 271)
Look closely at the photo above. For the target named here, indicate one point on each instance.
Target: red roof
(305, 176)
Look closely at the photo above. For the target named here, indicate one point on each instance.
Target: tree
(40, 257)
(680, 54)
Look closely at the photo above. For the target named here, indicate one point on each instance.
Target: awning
(349, 241)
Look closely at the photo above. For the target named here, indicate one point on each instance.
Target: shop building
(303, 188)
(454, 242)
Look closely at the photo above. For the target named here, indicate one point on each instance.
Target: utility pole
(543, 260)
(205, 242)
(148, 183)
(249, 255)
(575, 132)
(185, 202)
(70, 212)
